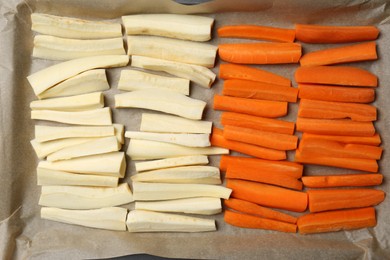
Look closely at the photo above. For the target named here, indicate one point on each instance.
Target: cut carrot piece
(234, 71)
(352, 53)
(272, 167)
(323, 200)
(249, 221)
(335, 127)
(264, 108)
(336, 110)
(337, 220)
(262, 138)
(268, 195)
(260, 53)
(259, 90)
(217, 139)
(336, 75)
(368, 140)
(257, 210)
(311, 33)
(257, 32)
(336, 94)
(345, 180)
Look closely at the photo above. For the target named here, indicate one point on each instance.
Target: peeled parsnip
(131, 80)
(86, 82)
(171, 162)
(173, 124)
(48, 133)
(148, 150)
(198, 74)
(111, 218)
(78, 197)
(202, 206)
(119, 132)
(191, 140)
(68, 27)
(100, 116)
(162, 100)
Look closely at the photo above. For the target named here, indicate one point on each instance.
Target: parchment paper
(24, 235)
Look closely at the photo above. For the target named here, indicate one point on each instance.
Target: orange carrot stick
(336, 94)
(260, 53)
(262, 138)
(259, 90)
(352, 53)
(368, 140)
(217, 139)
(334, 34)
(344, 180)
(335, 127)
(234, 71)
(268, 195)
(336, 75)
(337, 220)
(264, 108)
(249, 221)
(257, 32)
(336, 110)
(323, 200)
(257, 210)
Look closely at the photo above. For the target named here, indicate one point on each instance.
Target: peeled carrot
(257, 32)
(264, 108)
(262, 138)
(234, 71)
(257, 210)
(260, 53)
(344, 54)
(344, 180)
(323, 200)
(259, 90)
(368, 140)
(337, 220)
(336, 94)
(336, 75)
(311, 33)
(292, 169)
(249, 221)
(217, 139)
(268, 195)
(336, 110)
(335, 127)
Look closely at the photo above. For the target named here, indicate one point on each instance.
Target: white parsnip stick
(48, 133)
(171, 162)
(191, 140)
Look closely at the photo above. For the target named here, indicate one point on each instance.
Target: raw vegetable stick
(368, 140)
(260, 53)
(323, 200)
(343, 180)
(263, 108)
(249, 221)
(257, 32)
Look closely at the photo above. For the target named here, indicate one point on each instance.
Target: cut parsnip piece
(86, 82)
(202, 206)
(111, 218)
(107, 164)
(192, 140)
(48, 133)
(78, 197)
(131, 80)
(201, 54)
(148, 150)
(50, 76)
(162, 100)
(119, 132)
(100, 116)
(173, 124)
(148, 221)
(97, 146)
(53, 177)
(186, 27)
(198, 74)
(171, 162)
(186, 174)
(68, 27)
(168, 191)
(75, 103)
